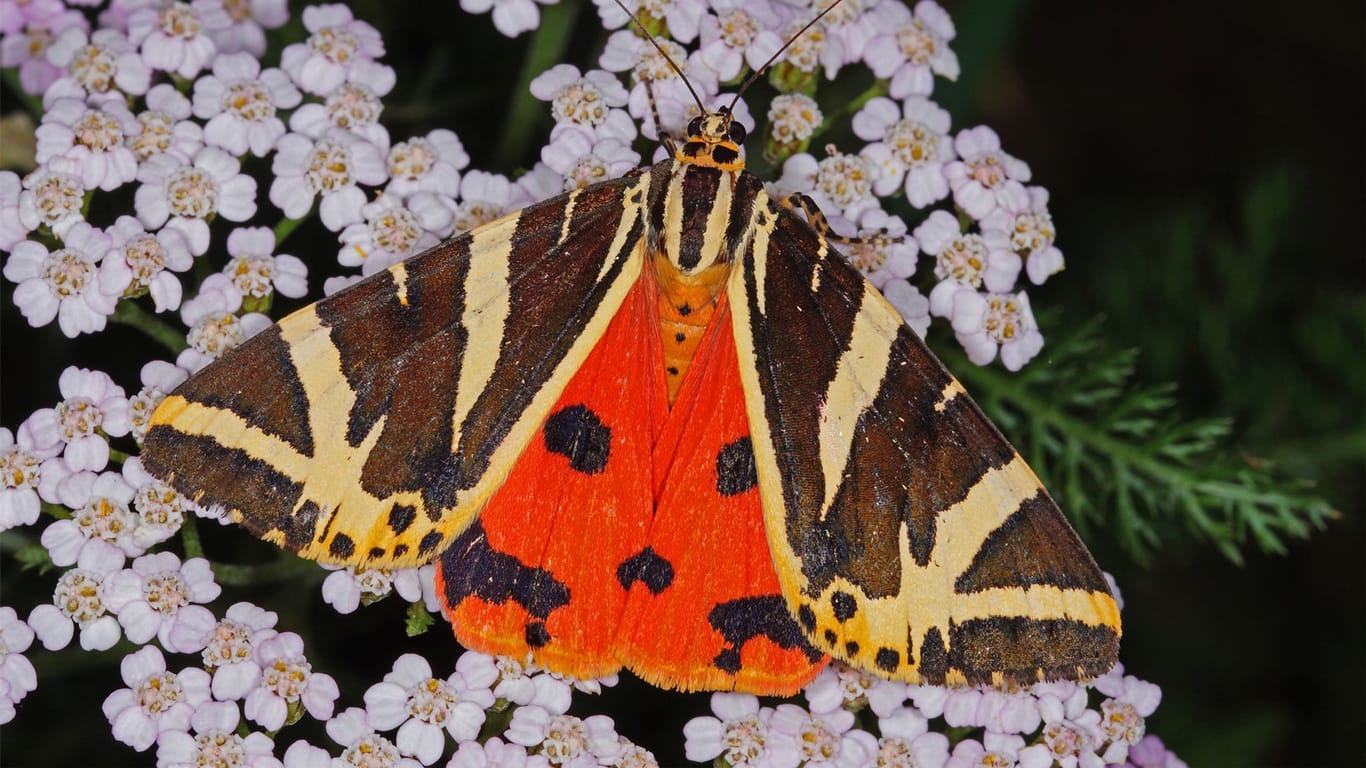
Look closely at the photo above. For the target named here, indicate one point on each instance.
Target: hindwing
(910, 538)
(369, 428)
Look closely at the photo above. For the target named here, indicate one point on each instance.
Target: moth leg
(666, 140)
(799, 201)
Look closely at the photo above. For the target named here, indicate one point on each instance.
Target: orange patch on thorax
(687, 303)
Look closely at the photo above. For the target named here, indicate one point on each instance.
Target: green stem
(189, 537)
(130, 313)
(286, 228)
(525, 112)
(844, 113)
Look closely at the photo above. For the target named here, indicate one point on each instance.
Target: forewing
(369, 428)
(910, 538)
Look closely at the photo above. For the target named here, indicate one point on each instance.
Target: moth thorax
(714, 141)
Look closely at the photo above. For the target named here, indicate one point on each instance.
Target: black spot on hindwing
(400, 517)
(745, 618)
(471, 567)
(648, 568)
(577, 433)
(844, 606)
(735, 470)
(342, 546)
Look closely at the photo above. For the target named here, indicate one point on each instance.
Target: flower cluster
(168, 115)
(853, 719)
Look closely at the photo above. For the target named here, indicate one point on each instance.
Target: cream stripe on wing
(487, 303)
(858, 377)
(232, 431)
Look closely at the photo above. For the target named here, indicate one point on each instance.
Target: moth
(657, 423)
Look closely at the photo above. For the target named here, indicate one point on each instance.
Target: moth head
(714, 140)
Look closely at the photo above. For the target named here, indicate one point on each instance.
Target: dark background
(1206, 169)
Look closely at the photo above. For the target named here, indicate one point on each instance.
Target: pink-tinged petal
(118, 701)
(467, 718)
(422, 740)
(52, 627)
(36, 302)
(189, 631)
(233, 681)
(140, 621)
(195, 232)
(409, 670)
(291, 194)
(341, 591)
(321, 695)
(301, 754)
(341, 208)
(387, 705)
(18, 506)
(101, 635)
(63, 541)
(238, 199)
(265, 709)
(135, 729)
(226, 130)
(349, 726)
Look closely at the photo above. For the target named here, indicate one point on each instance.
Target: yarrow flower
(177, 38)
(422, 706)
(156, 701)
(230, 654)
(79, 601)
(185, 195)
(53, 198)
(21, 464)
(288, 680)
(331, 166)
(738, 734)
(91, 140)
(363, 747)
(214, 325)
(215, 742)
(240, 100)
(16, 671)
(336, 41)
(256, 273)
(156, 598)
(92, 407)
(65, 284)
(912, 47)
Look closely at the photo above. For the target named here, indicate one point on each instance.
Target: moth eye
(737, 133)
(695, 127)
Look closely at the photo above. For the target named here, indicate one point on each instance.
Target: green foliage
(418, 620)
(34, 556)
(1118, 452)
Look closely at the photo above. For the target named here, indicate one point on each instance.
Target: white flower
(215, 742)
(915, 142)
(92, 139)
(177, 38)
(164, 126)
(91, 404)
(730, 38)
(240, 102)
(882, 250)
(353, 106)
(155, 700)
(97, 63)
(625, 51)
(912, 48)
(331, 166)
(363, 747)
(428, 163)
(839, 184)
(16, 671)
(230, 655)
(738, 734)
(158, 378)
(51, 197)
(101, 514)
(793, 118)
(823, 739)
(985, 323)
(189, 194)
(393, 230)
(256, 272)
(586, 100)
(12, 229)
(495, 753)
(336, 41)
(287, 678)
(21, 463)
(963, 261)
(159, 507)
(1021, 223)
(483, 198)
(214, 326)
(813, 48)
(510, 17)
(908, 743)
(156, 596)
(65, 284)
(78, 601)
(1123, 715)
(998, 751)
(250, 19)
(421, 706)
(28, 38)
(562, 738)
(581, 160)
(344, 587)
(146, 263)
(985, 176)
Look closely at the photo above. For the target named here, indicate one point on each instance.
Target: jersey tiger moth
(658, 422)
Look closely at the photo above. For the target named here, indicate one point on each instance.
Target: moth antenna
(758, 73)
(663, 53)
